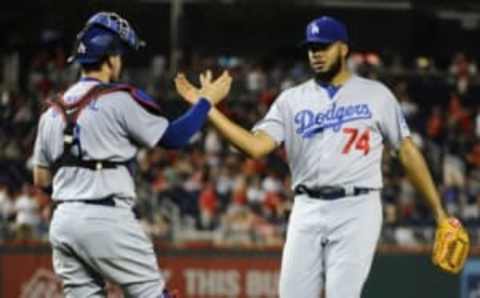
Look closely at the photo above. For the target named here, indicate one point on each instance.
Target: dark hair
(96, 66)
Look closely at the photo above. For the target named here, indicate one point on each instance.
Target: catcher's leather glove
(451, 246)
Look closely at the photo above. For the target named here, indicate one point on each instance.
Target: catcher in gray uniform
(86, 142)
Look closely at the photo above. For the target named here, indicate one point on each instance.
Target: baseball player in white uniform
(86, 143)
(333, 127)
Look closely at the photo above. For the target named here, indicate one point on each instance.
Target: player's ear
(109, 61)
(344, 49)
(113, 62)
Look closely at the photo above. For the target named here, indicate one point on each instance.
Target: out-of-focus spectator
(213, 144)
(406, 201)
(239, 192)
(408, 106)
(397, 67)
(405, 236)
(435, 124)
(272, 184)
(473, 156)
(477, 123)
(462, 69)
(458, 116)
(454, 182)
(453, 171)
(471, 209)
(255, 193)
(425, 66)
(27, 208)
(208, 205)
(238, 226)
(256, 80)
(7, 204)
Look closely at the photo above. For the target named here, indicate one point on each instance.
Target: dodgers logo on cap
(325, 29)
(315, 29)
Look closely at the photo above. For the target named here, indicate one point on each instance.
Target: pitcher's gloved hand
(451, 246)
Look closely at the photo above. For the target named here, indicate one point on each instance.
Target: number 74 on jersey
(356, 140)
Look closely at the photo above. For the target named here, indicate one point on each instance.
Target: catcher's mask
(105, 33)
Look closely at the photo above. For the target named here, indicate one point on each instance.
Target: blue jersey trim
(330, 89)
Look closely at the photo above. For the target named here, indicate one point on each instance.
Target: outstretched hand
(214, 91)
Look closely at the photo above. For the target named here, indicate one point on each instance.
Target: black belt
(93, 165)
(331, 192)
(108, 201)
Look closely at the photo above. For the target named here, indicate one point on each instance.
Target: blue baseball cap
(325, 29)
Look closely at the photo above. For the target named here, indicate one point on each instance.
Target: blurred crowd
(209, 193)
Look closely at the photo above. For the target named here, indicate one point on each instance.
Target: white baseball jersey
(336, 141)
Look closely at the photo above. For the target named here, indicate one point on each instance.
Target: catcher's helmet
(106, 33)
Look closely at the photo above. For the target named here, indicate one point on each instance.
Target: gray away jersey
(109, 128)
(339, 140)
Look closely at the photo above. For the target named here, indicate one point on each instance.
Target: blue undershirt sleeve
(179, 131)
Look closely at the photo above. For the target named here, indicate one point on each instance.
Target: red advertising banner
(27, 273)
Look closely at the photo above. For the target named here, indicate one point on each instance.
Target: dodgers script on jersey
(336, 139)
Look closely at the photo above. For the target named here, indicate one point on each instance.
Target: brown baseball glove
(451, 246)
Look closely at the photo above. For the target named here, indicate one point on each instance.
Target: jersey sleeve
(274, 121)
(142, 125)
(40, 155)
(393, 125)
